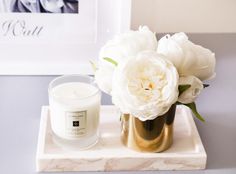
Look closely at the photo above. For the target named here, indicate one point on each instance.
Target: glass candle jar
(74, 102)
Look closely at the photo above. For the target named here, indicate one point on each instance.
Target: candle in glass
(74, 109)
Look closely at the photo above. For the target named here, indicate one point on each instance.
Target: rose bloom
(60, 6)
(191, 94)
(44, 6)
(121, 48)
(189, 59)
(145, 86)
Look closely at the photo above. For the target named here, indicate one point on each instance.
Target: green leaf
(206, 85)
(193, 107)
(111, 60)
(183, 88)
(178, 103)
(93, 65)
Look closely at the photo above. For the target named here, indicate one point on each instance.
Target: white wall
(185, 15)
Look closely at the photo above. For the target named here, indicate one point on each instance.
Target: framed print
(46, 37)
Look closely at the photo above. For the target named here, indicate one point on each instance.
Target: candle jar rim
(90, 79)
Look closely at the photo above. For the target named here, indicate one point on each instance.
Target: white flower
(120, 48)
(26, 5)
(103, 77)
(52, 6)
(145, 86)
(189, 59)
(190, 95)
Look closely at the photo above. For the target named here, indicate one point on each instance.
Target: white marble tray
(186, 153)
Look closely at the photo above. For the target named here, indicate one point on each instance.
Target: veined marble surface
(109, 154)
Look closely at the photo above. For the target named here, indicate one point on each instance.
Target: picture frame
(56, 42)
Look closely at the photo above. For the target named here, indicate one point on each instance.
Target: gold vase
(148, 136)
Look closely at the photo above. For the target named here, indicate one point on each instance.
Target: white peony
(189, 59)
(145, 86)
(121, 48)
(190, 95)
(53, 6)
(103, 76)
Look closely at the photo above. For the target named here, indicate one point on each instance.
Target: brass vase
(148, 136)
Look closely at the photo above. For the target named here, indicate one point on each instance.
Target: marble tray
(186, 153)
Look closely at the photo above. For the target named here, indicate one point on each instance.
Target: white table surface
(21, 98)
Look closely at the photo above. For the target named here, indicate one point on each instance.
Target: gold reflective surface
(148, 136)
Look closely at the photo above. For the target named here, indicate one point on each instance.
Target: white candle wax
(74, 110)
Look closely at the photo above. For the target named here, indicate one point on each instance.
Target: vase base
(148, 136)
(144, 146)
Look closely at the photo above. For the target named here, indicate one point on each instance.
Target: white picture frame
(68, 41)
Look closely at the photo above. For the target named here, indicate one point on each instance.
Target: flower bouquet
(147, 78)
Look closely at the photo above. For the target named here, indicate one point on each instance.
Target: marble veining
(109, 154)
